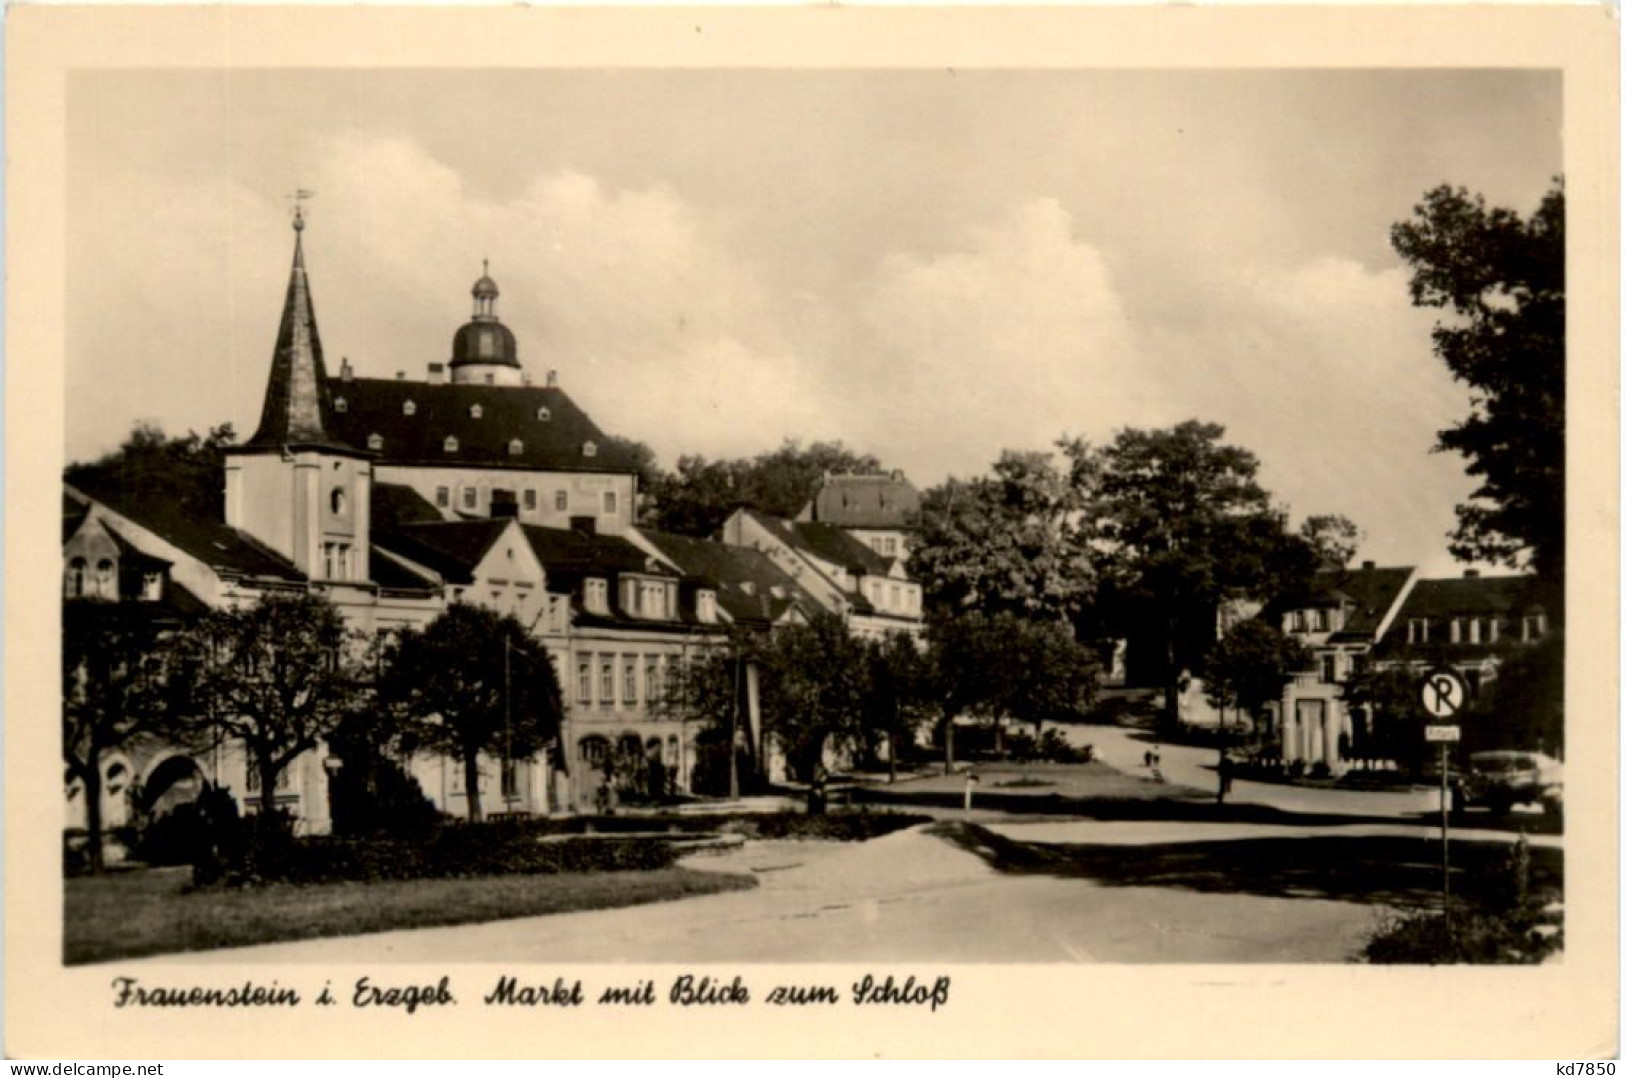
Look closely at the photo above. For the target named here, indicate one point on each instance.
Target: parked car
(1500, 779)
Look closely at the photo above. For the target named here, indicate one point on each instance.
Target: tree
(150, 466)
(1184, 528)
(472, 681)
(1332, 538)
(278, 676)
(1391, 697)
(1250, 666)
(702, 494)
(1502, 278)
(812, 691)
(896, 698)
(1016, 541)
(708, 688)
(116, 670)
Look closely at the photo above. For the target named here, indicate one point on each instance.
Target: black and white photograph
(709, 517)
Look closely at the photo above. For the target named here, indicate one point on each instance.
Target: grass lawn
(147, 911)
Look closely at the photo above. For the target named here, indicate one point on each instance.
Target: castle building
(879, 511)
(394, 499)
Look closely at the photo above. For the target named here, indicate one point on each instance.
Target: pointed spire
(298, 406)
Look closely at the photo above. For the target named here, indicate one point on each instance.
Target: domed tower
(484, 351)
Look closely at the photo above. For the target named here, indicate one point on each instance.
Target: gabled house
(751, 590)
(1469, 624)
(1339, 618)
(879, 511)
(873, 592)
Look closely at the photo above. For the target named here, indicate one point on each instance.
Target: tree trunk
(1170, 700)
(948, 745)
(92, 778)
(471, 784)
(268, 774)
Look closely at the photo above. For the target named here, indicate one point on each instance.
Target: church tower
(295, 485)
(484, 352)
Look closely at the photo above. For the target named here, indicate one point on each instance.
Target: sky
(930, 266)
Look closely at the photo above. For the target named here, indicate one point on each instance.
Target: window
(1495, 629)
(515, 448)
(1416, 631)
(589, 449)
(891, 544)
(651, 678)
(1299, 622)
(336, 560)
(152, 586)
(1534, 627)
(76, 577)
(475, 411)
(336, 500)
(1328, 669)
(609, 501)
(375, 441)
(1473, 632)
(543, 415)
(284, 778)
(451, 443)
(1319, 620)
(106, 585)
(442, 497)
(705, 606)
(340, 404)
(629, 681)
(490, 379)
(594, 750)
(606, 681)
(530, 498)
(561, 500)
(584, 680)
(409, 408)
(470, 497)
(896, 597)
(1455, 630)
(598, 596)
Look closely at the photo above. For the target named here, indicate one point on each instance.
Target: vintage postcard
(842, 532)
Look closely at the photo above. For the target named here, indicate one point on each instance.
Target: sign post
(1443, 693)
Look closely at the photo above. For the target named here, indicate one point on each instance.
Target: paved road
(907, 897)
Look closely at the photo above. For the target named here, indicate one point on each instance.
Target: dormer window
(475, 411)
(340, 404)
(543, 414)
(589, 449)
(152, 586)
(705, 606)
(106, 583)
(598, 595)
(451, 443)
(409, 408)
(78, 568)
(375, 441)
(515, 448)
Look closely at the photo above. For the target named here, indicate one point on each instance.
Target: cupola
(484, 351)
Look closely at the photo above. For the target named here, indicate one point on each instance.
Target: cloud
(1012, 337)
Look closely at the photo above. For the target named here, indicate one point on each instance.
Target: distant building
(842, 574)
(878, 510)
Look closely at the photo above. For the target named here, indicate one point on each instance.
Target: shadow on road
(1179, 803)
(1372, 870)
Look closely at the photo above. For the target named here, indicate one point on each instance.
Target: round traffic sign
(1443, 693)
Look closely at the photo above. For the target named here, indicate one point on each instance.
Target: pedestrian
(1148, 758)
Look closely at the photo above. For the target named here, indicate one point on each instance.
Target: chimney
(437, 374)
(552, 379)
(584, 525)
(1470, 574)
(346, 372)
(1368, 565)
(400, 376)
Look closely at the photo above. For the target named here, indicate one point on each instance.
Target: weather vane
(299, 196)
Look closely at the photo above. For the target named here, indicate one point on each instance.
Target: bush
(1420, 938)
(268, 854)
(175, 838)
(838, 826)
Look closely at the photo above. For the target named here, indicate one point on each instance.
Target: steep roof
(226, 550)
(835, 545)
(863, 501)
(1368, 592)
(566, 552)
(396, 503)
(377, 406)
(1469, 596)
(750, 587)
(298, 410)
(452, 548)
